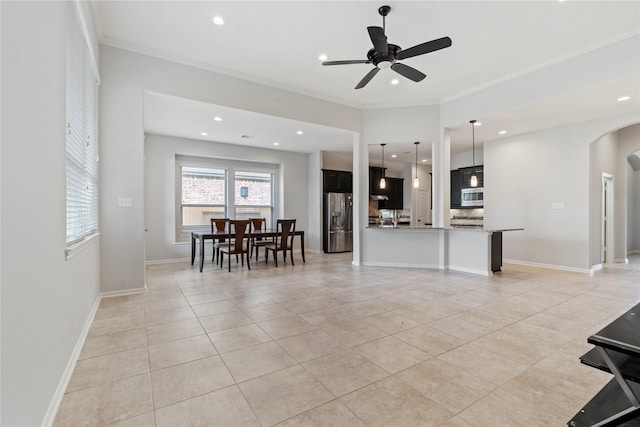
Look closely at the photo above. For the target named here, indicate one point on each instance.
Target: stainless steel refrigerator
(338, 222)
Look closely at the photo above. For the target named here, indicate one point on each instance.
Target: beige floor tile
(225, 407)
(267, 312)
(205, 298)
(170, 315)
(257, 360)
(107, 403)
(461, 327)
(391, 354)
(236, 338)
(252, 301)
(180, 351)
(332, 414)
(210, 308)
(187, 380)
(222, 321)
(174, 331)
(456, 421)
(132, 304)
(165, 303)
(391, 402)
(115, 342)
(122, 323)
(310, 345)
(101, 369)
(284, 394)
(144, 420)
(345, 371)
(192, 289)
(474, 360)
(503, 409)
(418, 314)
(286, 326)
(430, 340)
(391, 322)
(445, 384)
(518, 348)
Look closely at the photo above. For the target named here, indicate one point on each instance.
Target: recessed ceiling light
(299, 132)
(323, 57)
(477, 123)
(624, 98)
(502, 132)
(204, 133)
(276, 143)
(395, 81)
(394, 156)
(218, 20)
(424, 160)
(217, 119)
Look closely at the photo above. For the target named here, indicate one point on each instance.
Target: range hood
(379, 197)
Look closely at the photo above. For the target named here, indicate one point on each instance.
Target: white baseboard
(56, 401)
(634, 252)
(123, 293)
(549, 266)
(170, 261)
(596, 267)
(470, 270)
(401, 265)
(621, 260)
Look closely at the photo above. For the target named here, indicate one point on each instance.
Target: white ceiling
(278, 42)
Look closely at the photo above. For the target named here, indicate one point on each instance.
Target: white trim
(77, 247)
(634, 251)
(56, 400)
(401, 265)
(171, 261)
(471, 270)
(597, 267)
(621, 260)
(549, 266)
(132, 291)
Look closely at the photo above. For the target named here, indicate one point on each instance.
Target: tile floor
(327, 343)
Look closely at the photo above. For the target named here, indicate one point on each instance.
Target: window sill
(75, 248)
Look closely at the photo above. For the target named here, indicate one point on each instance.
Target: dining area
(243, 239)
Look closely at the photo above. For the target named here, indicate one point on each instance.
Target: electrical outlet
(125, 202)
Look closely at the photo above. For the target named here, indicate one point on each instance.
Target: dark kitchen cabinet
(456, 181)
(334, 181)
(467, 173)
(395, 192)
(375, 173)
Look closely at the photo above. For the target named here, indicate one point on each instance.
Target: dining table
(202, 236)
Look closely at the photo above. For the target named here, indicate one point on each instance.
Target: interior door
(422, 208)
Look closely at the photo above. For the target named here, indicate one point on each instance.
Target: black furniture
(617, 351)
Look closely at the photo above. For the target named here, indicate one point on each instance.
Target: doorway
(606, 225)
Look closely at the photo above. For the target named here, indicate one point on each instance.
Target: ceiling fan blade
(408, 72)
(355, 61)
(427, 47)
(379, 40)
(367, 78)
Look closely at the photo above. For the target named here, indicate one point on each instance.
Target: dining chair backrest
(258, 224)
(240, 229)
(286, 228)
(219, 224)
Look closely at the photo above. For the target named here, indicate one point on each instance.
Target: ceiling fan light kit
(385, 55)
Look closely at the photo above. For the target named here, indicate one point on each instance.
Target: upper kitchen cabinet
(467, 173)
(456, 180)
(334, 181)
(375, 173)
(395, 192)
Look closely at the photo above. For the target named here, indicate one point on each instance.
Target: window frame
(183, 233)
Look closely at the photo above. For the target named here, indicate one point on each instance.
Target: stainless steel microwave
(471, 197)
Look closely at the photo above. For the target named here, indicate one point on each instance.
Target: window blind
(81, 138)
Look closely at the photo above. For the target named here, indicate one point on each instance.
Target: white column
(360, 193)
(442, 179)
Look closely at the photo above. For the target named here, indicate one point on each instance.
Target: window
(218, 188)
(203, 195)
(81, 141)
(254, 195)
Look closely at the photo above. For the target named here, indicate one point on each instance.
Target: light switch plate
(125, 202)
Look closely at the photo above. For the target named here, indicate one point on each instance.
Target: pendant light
(474, 178)
(416, 181)
(383, 182)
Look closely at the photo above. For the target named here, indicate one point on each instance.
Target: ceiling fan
(386, 55)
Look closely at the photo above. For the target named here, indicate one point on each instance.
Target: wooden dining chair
(239, 238)
(283, 242)
(219, 225)
(259, 224)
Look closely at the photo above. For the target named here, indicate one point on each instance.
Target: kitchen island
(463, 248)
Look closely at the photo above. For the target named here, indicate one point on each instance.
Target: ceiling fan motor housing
(376, 57)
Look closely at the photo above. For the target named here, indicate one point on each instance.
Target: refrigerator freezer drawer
(340, 241)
